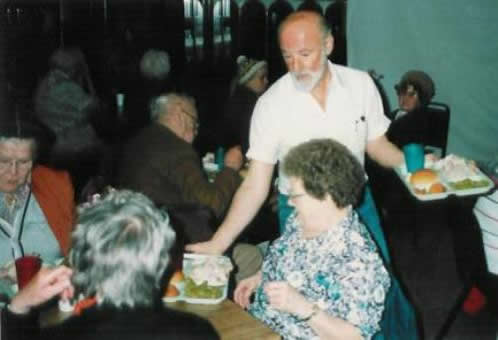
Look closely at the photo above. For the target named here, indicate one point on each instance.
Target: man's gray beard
(309, 85)
(303, 86)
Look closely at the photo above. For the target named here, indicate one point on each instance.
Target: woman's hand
(284, 297)
(245, 288)
(46, 284)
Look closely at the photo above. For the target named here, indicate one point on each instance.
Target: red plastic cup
(27, 267)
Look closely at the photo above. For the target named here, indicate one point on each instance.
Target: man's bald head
(308, 16)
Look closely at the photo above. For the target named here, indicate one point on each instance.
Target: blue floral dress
(340, 270)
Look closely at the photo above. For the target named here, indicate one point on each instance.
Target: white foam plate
(187, 261)
(404, 175)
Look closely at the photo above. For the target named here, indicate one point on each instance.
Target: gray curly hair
(120, 249)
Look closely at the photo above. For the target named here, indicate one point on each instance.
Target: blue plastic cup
(414, 156)
(219, 157)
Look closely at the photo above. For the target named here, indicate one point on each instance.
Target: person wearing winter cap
(415, 90)
(249, 83)
(411, 121)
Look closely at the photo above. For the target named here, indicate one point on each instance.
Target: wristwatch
(314, 311)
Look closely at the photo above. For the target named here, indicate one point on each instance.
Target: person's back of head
(120, 250)
(69, 60)
(155, 64)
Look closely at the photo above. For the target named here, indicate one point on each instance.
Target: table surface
(229, 319)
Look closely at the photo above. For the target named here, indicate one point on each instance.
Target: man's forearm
(385, 153)
(245, 205)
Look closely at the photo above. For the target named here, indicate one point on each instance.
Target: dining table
(230, 320)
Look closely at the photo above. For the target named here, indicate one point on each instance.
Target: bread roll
(426, 181)
(171, 291)
(177, 277)
(437, 188)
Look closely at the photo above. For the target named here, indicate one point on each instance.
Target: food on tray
(426, 181)
(177, 277)
(437, 188)
(202, 291)
(171, 291)
(469, 184)
(454, 169)
(459, 173)
(207, 277)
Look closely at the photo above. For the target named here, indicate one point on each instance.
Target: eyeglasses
(21, 164)
(294, 196)
(409, 92)
(195, 120)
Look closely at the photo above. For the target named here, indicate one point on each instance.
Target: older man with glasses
(161, 162)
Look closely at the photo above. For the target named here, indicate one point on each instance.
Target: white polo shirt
(285, 117)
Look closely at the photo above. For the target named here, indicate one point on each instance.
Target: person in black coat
(249, 83)
(120, 265)
(411, 123)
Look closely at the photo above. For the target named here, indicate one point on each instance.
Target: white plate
(404, 176)
(187, 260)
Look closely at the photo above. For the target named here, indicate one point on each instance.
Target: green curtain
(455, 41)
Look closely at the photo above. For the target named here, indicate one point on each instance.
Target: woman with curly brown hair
(324, 277)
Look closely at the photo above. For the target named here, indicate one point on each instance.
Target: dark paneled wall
(203, 39)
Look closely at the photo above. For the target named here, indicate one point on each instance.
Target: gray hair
(120, 249)
(17, 140)
(159, 105)
(155, 64)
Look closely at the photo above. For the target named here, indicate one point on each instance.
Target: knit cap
(247, 67)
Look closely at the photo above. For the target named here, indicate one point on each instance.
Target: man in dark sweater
(161, 162)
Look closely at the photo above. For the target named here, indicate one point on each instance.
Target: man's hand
(209, 247)
(234, 158)
(46, 284)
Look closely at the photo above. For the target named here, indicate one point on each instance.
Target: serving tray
(188, 259)
(404, 175)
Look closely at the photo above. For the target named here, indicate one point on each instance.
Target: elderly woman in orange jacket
(36, 202)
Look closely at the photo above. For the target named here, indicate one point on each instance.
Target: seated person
(161, 162)
(251, 81)
(324, 277)
(153, 80)
(411, 122)
(66, 103)
(36, 202)
(415, 90)
(119, 262)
